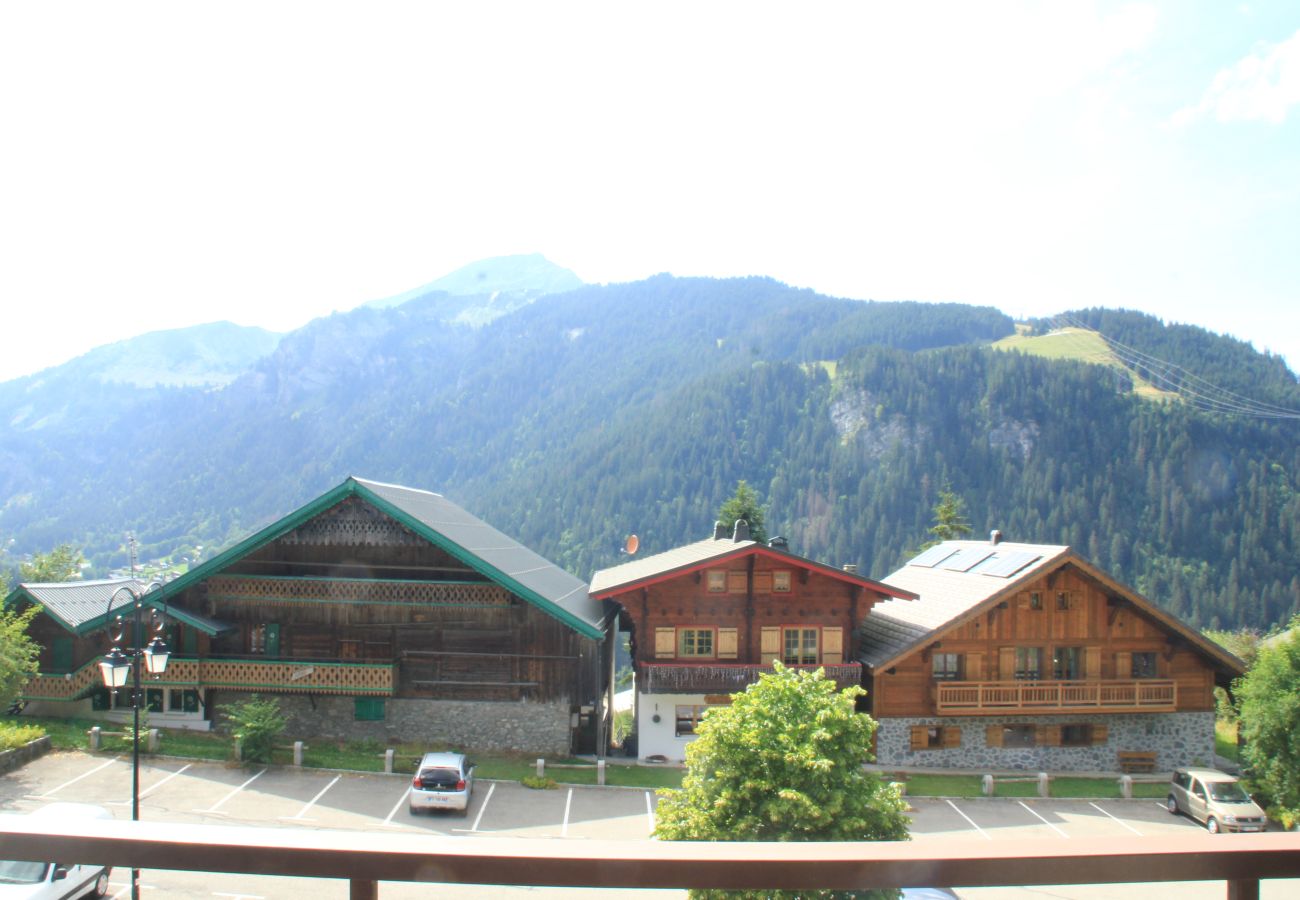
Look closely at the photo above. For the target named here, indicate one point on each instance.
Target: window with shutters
(1067, 663)
(947, 667)
(799, 646)
(935, 737)
(1018, 735)
(695, 642)
(1029, 663)
(1035, 600)
(1076, 735)
(1143, 665)
(781, 581)
(688, 717)
(717, 581)
(1062, 599)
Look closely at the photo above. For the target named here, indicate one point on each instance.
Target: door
(1196, 801)
(273, 641)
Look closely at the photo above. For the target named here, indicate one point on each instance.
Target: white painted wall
(660, 738)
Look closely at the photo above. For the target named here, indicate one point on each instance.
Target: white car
(55, 880)
(443, 781)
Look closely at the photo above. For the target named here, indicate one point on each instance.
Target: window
(695, 642)
(257, 639)
(688, 718)
(717, 581)
(781, 581)
(1035, 600)
(190, 701)
(947, 667)
(1062, 599)
(154, 699)
(1029, 663)
(1067, 663)
(1076, 735)
(1017, 735)
(799, 646)
(368, 709)
(1144, 665)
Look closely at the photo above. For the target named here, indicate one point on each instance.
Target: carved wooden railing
(263, 589)
(974, 698)
(70, 686)
(725, 678)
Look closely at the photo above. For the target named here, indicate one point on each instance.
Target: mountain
(589, 414)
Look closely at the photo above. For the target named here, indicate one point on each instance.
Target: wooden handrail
(365, 858)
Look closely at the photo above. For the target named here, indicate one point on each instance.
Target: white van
(50, 880)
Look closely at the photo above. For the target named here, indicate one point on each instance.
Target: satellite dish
(632, 544)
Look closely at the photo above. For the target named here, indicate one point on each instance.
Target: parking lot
(213, 793)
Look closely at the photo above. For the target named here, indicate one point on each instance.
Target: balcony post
(361, 889)
(1243, 889)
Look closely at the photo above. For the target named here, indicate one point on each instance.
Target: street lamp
(118, 665)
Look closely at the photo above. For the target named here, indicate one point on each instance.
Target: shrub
(538, 784)
(256, 723)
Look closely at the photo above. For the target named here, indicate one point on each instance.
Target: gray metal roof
(78, 605)
(893, 627)
(493, 554)
(684, 557)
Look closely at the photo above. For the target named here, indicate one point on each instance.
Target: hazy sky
(167, 164)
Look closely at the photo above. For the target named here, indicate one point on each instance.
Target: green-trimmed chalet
(374, 611)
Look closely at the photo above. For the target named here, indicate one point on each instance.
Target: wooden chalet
(708, 618)
(1024, 656)
(374, 611)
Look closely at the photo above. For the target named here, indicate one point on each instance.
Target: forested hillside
(588, 415)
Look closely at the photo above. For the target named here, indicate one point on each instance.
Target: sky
(164, 165)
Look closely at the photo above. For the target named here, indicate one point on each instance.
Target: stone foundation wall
(541, 728)
(20, 756)
(1179, 739)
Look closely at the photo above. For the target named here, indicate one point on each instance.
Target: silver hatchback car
(1215, 798)
(442, 781)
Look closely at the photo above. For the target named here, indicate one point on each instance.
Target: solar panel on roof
(1004, 566)
(932, 557)
(967, 559)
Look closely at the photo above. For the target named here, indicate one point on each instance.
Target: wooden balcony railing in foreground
(986, 698)
(725, 678)
(365, 859)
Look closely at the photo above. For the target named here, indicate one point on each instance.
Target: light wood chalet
(373, 611)
(708, 618)
(1027, 656)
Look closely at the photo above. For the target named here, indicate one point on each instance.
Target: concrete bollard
(1044, 785)
(96, 738)
(388, 761)
(988, 785)
(541, 767)
(1126, 786)
(297, 753)
(153, 742)
(600, 772)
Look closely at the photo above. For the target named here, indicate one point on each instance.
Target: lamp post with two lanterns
(119, 665)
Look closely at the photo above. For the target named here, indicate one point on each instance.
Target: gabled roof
(442, 523)
(703, 554)
(82, 606)
(958, 580)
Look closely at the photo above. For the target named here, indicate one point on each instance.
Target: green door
(273, 640)
(62, 654)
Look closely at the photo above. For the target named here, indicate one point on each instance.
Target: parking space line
(970, 821)
(50, 794)
(302, 812)
(482, 809)
(222, 802)
(649, 812)
(151, 788)
(396, 806)
(568, 802)
(1035, 814)
(1120, 821)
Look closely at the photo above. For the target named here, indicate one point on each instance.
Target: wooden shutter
(1100, 733)
(974, 666)
(1092, 662)
(762, 582)
(727, 643)
(665, 643)
(993, 736)
(1048, 735)
(951, 736)
(1123, 665)
(1006, 664)
(832, 646)
(737, 582)
(920, 737)
(769, 645)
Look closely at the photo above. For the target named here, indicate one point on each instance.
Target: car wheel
(1172, 805)
(1212, 825)
(101, 884)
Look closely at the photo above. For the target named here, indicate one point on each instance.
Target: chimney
(719, 531)
(995, 537)
(742, 531)
(851, 568)
(779, 543)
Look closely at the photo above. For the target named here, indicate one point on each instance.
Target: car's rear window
(439, 778)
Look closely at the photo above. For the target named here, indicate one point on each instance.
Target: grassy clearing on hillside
(1083, 346)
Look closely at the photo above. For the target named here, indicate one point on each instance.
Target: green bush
(538, 784)
(14, 736)
(256, 724)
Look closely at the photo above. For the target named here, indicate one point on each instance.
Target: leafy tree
(1269, 701)
(1244, 643)
(783, 762)
(744, 505)
(256, 723)
(18, 653)
(950, 522)
(63, 563)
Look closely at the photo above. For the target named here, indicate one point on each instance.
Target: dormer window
(781, 581)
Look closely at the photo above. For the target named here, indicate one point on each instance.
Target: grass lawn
(1061, 786)
(1225, 739)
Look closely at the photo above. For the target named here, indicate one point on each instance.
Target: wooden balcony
(725, 678)
(372, 679)
(987, 698)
